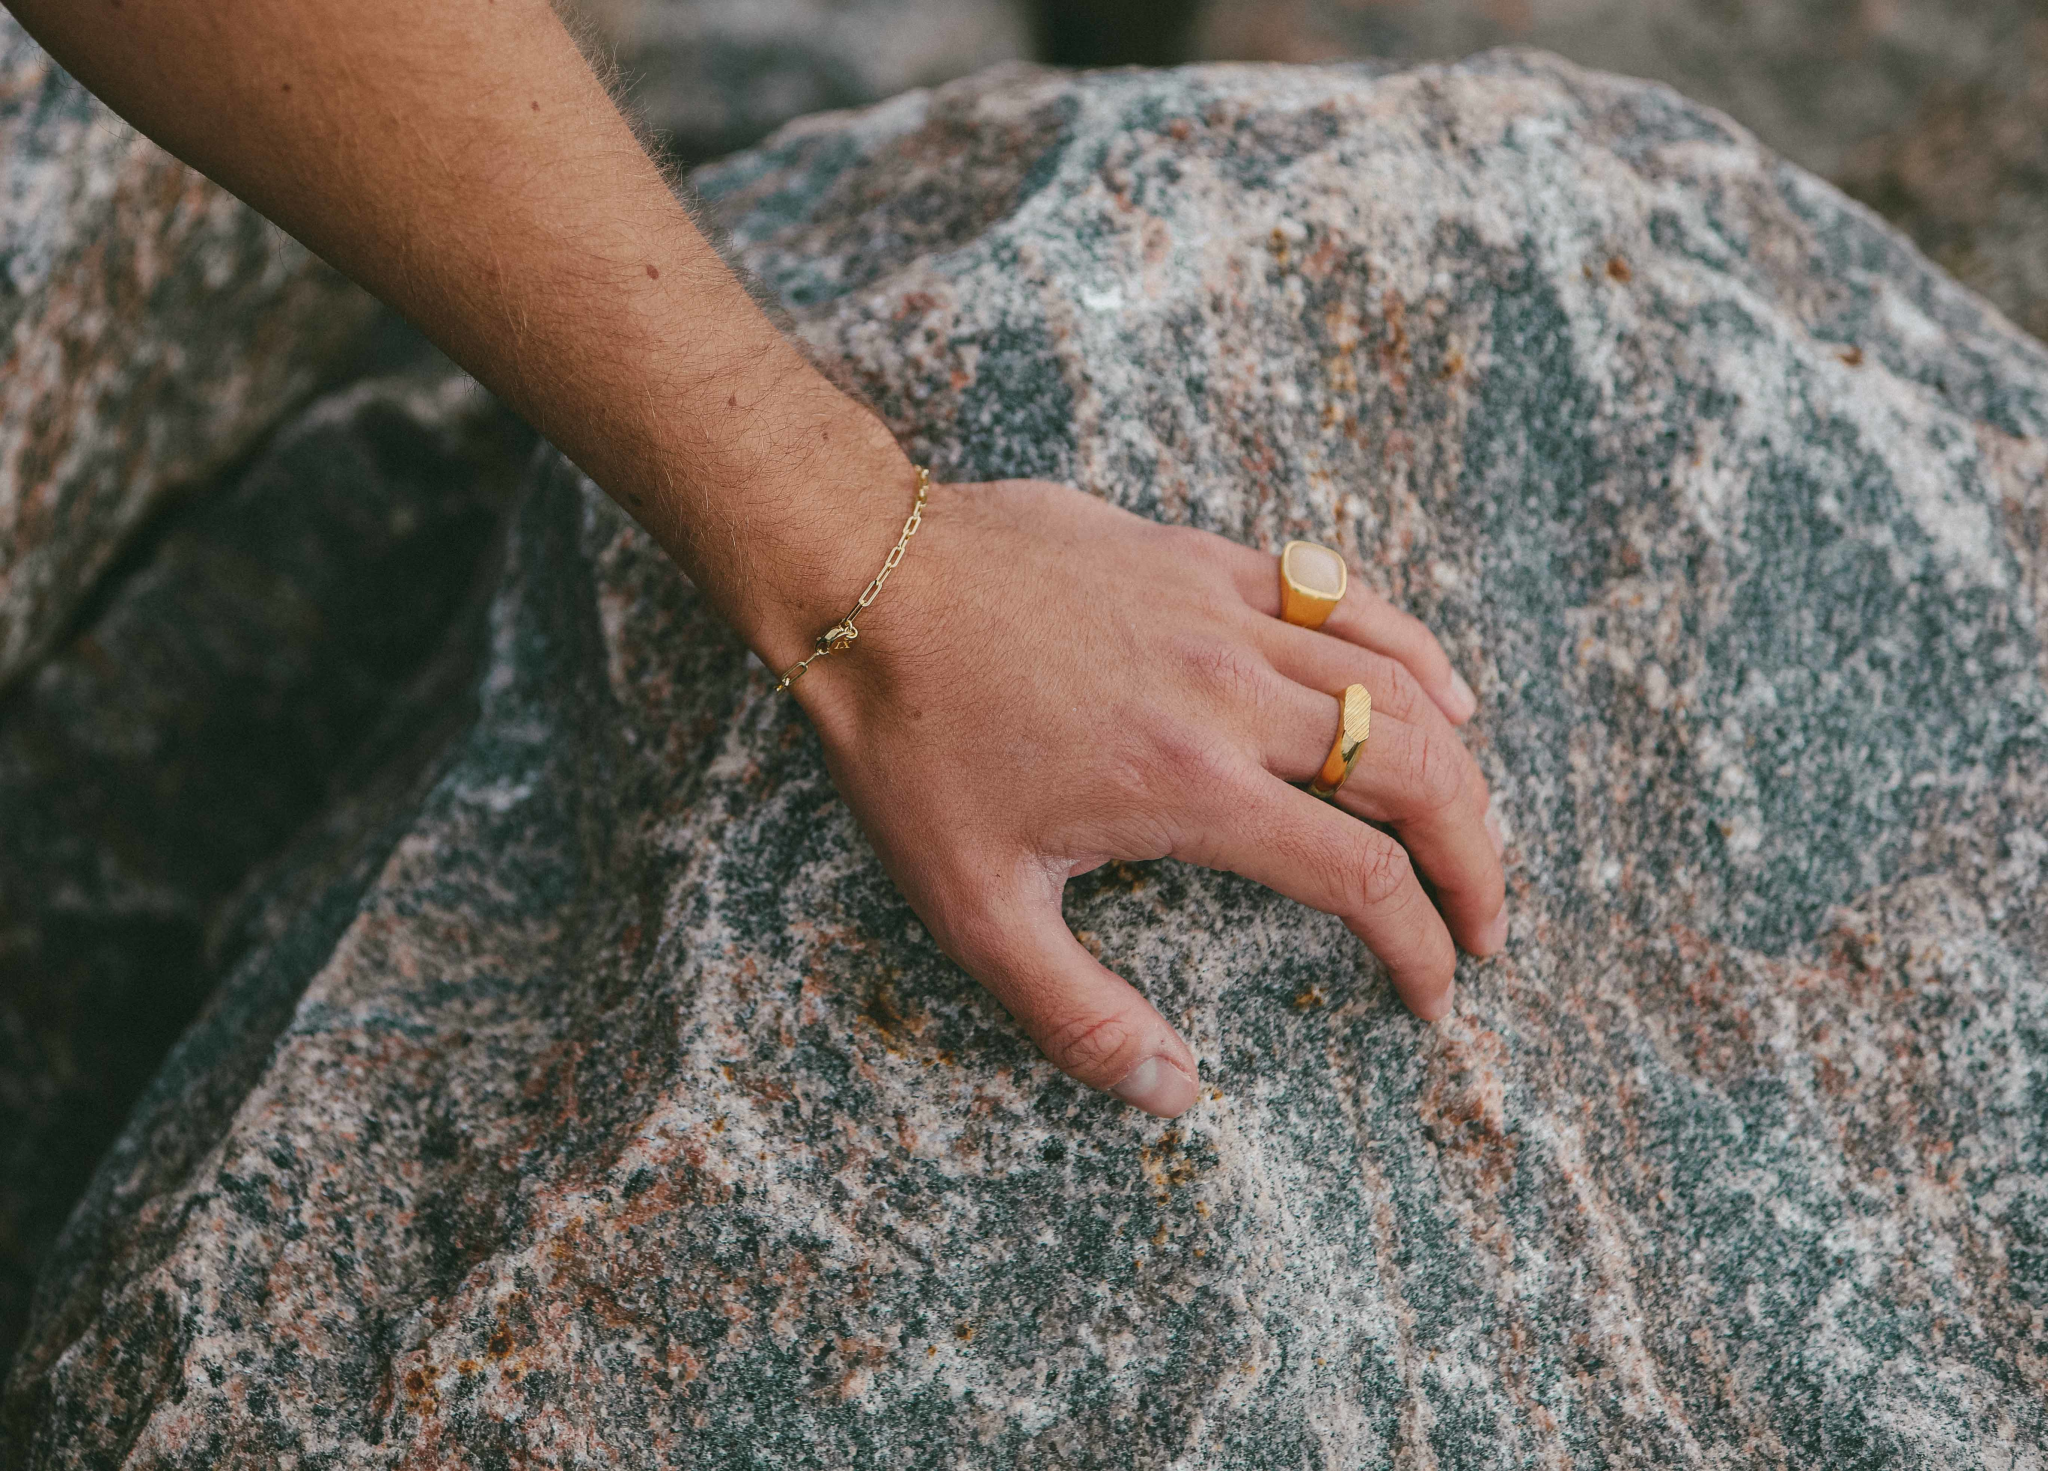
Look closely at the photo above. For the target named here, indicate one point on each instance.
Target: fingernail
(1462, 696)
(1500, 845)
(1158, 1087)
(1495, 934)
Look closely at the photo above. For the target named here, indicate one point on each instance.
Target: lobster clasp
(837, 638)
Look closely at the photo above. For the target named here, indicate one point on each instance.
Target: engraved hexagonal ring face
(1312, 580)
(1354, 728)
(1354, 708)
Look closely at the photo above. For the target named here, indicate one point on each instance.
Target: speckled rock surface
(1933, 111)
(626, 1116)
(280, 632)
(151, 327)
(709, 76)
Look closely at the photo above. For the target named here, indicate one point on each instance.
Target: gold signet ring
(1354, 727)
(1312, 579)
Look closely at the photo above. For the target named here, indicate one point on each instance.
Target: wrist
(786, 512)
(808, 561)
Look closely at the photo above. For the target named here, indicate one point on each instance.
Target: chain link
(842, 634)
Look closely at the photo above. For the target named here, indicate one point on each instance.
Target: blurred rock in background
(151, 327)
(709, 76)
(1933, 112)
(275, 636)
(1091, 33)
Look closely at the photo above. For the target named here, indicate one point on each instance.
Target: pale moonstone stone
(1315, 569)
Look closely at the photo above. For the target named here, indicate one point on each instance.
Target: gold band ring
(1354, 728)
(1312, 581)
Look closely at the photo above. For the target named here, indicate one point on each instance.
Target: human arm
(461, 161)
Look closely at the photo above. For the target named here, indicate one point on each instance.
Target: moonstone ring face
(1312, 580)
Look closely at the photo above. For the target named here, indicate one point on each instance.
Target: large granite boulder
(625, 1116)
(151, 328)
(1933, 111)
(276, 637)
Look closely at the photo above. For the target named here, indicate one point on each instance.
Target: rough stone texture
(709, 76)
(151, 327)
(626, 1117)
(274, 635)
(1934, 111)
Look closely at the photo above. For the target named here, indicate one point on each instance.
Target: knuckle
(1181, 752)
(1437, 777)
(1213, 602)
(1093, 1048)
(1197, 552)
(1229, 691)
(1401, 695)
(1382, 872)
(1228, 672)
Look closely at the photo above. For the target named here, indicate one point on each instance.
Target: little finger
(1303, 847)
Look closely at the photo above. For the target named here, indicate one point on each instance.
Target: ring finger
(1417, 778)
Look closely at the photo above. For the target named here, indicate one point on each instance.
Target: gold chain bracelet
(841, 635)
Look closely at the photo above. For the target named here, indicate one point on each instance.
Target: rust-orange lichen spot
(420, 1395)
(1396, 353)
(1283, 255)
(1166, 1164)
(1464, 1104)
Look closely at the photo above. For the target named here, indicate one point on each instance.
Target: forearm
(461, 161)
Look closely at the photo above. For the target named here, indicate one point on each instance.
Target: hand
(1049, 683)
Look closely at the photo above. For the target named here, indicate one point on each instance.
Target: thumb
(1087, 1019)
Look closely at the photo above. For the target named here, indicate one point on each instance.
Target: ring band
(1354, 728)
(1312, 582)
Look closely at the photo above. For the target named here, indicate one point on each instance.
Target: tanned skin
(462, 161)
